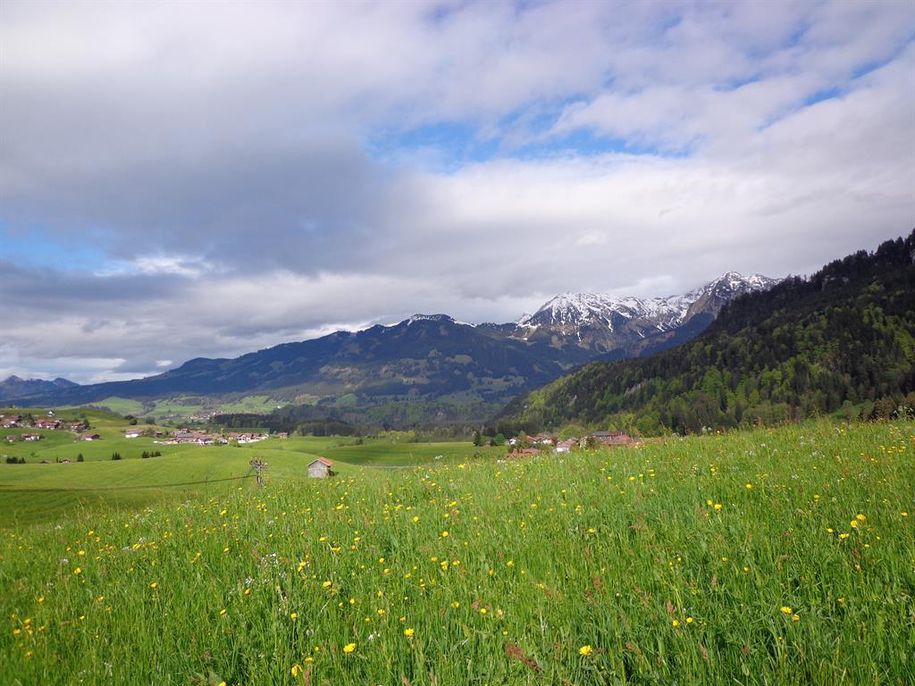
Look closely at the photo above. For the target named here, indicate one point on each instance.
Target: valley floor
(774, 556)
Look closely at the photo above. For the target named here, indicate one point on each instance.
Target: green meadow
(774, 556)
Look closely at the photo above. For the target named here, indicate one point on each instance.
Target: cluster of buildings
(49, 423)
(546, 441)
(188, 437)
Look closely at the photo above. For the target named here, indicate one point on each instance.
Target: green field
(767, 557)
(36, 492)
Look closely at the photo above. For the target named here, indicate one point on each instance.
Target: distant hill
(842, 340)
(14, 387)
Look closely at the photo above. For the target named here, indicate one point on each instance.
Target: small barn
(320, 468)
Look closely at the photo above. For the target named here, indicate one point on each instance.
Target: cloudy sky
(184, 179)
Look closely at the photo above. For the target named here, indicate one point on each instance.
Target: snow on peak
(429, 318)
(662, 313)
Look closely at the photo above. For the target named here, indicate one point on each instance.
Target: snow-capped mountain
(603, 322)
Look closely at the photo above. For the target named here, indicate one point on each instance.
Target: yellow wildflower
(296, 670)
(408, 633)
(786, 610)
(585, 650)
(349, 648)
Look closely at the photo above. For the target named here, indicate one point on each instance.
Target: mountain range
(427, 358)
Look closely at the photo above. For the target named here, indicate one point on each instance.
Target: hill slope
(843, 337)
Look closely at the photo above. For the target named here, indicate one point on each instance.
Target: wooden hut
(320, 468)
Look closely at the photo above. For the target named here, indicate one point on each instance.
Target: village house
(320, 468)
(50, 424)
(612, 438)
(31, 437)
(133, 433)
(543, 440)
(566, 445)
(10, 421)
(90, 437)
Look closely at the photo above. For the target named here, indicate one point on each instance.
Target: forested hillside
(842, 340)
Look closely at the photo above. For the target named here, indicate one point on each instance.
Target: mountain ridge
(425, 357)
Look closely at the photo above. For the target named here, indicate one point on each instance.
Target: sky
(188, 179)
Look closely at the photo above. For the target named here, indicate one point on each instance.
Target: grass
(121, 405)
(250, 403)
(774, 556)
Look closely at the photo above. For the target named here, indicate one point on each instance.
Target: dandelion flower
(445, 534)
(296, 670)
(78, 570)
(349, 648)
(154, 585)
(326, 584)
(795, 618)
(408, 632)
(675, 623)
(585, 650)
(786, 610)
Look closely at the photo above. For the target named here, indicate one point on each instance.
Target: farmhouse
(133, 433)
(320, 468)
(90, 437)
(31, 437)
(612, 438)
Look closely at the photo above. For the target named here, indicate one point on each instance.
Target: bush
(80, 458)
(115, 456)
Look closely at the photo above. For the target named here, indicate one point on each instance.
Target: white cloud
(220, 155)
